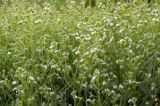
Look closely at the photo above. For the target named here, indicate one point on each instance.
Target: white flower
(93, 50)
(2, 81)
(77, 52)
(58, 19)
(93, 78)
(147, 103)
(111, 24)
(14, 83)
(87, 38)
(121, 41)
(47, 8)
(121, 86)
(38, 21)
(133, 100)
(22, 92)
(14, 89)
(155, 20)
(114, 76)
(122, 30)
(130, 51)
(9, 53)
(31, 78)
(110, 41)
(115, 87)
(112, 91)
(104, 83)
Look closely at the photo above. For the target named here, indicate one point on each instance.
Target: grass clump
(107, 55)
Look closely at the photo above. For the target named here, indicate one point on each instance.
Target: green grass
(102, 56)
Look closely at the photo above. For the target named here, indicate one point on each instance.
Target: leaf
(20, 103)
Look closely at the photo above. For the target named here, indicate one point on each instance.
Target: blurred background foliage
(61, 3)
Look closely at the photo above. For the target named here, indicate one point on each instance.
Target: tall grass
(108, 55)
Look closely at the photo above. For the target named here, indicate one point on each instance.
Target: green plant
(108, 55)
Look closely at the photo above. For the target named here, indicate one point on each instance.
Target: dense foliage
(103, 56)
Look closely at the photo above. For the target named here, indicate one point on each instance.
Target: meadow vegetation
(52, 55)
